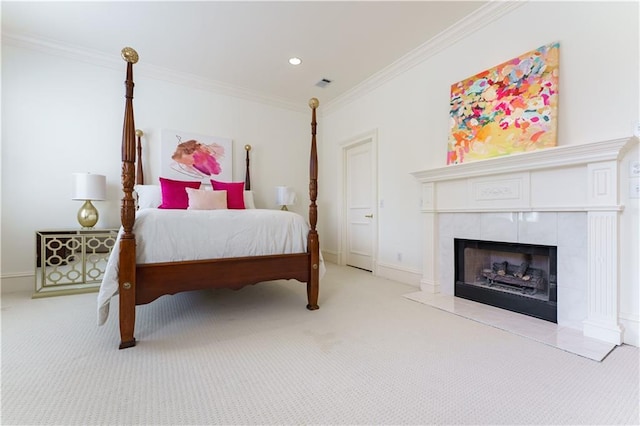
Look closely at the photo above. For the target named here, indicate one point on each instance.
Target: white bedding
(177, 235)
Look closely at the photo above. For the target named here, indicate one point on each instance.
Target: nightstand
(70, 261)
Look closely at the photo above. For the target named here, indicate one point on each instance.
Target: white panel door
(360, 206)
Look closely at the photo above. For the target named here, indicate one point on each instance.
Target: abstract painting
(510, 108)
(189, 156)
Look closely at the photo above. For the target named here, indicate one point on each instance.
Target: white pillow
(149, 196)
(200, 199)
(248, 200)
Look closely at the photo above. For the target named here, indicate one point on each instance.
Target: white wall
(599, 91)
(61, 116)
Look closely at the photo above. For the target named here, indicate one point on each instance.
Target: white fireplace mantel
(574, 178)
(561, 156)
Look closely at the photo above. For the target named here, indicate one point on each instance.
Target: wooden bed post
(139, 171)
(127, 274)
(313, 245)
(247, 175)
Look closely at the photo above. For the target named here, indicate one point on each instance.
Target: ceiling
(246, 45)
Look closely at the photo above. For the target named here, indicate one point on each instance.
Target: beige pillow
(200, 199)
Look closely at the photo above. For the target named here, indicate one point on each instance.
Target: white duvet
(176, 235)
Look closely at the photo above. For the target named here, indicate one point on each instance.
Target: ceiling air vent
(323, 83)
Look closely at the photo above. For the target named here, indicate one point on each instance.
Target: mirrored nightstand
(70, 261)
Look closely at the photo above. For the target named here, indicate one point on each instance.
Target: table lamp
(285, 197)
(88, 187)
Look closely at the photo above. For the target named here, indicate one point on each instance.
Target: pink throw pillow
(200, 199)
(235, 193)
(174, 194)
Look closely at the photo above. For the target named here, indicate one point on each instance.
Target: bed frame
(141, 284)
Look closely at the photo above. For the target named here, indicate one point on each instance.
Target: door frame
(370, 137)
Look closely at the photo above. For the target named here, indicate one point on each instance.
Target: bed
(140, 281)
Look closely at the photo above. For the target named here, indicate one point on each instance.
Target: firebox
(513, 276)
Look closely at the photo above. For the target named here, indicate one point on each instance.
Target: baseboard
(429, 286)
(631, 324)
(17, 283)
(331, 256)
(402, 275)
(607, 331)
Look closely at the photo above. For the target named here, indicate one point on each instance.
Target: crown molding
(492, 11)
(488, 13)
(97, 58)
(56, 48)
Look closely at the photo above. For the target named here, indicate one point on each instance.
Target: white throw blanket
(177, 235)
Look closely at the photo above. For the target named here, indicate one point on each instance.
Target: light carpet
(257, 356)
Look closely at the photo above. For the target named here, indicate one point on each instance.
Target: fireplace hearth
(513, 276)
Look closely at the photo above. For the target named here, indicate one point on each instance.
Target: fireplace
(571, 197)
(513, 276)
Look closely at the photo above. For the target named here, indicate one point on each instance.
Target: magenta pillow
(174, 193)
(235, 193)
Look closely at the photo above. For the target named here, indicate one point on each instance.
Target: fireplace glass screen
(513, 276)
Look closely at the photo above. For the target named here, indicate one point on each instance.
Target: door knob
(370, 216)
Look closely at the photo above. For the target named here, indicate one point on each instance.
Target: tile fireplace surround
(564, 196)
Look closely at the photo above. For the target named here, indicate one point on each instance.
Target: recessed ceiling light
(295, 61)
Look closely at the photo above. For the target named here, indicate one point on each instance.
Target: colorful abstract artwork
(188, 156)
(507, 109)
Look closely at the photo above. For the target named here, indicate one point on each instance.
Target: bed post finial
(129, 54)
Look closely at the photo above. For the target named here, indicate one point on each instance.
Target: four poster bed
(139, 280)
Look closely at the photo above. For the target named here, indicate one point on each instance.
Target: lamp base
(87, 215)
(284, 208)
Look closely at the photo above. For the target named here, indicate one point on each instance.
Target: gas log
(521, 275)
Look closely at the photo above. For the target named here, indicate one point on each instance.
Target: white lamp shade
(285, 196)
(87, 186)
